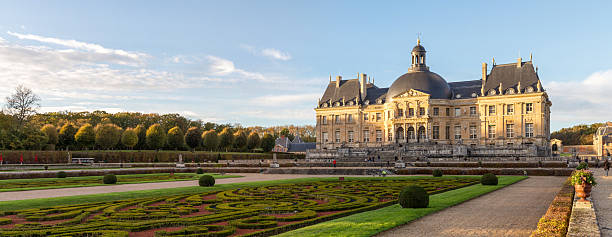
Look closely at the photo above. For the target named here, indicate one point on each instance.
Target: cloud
(293, 115)
(223, 67)
(267, 52)
(275, 100)
(586, 101)
(276, 54)
(124, 57)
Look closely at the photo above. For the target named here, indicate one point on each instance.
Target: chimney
(338, 79)
(484, 78)
(362, 85)
(518, 64)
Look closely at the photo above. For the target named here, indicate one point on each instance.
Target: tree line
(577, 135)
(21, 127)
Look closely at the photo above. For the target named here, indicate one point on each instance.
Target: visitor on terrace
(606, 166)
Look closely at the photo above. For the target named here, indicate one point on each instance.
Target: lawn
(257, 208)
(373, 222)
(87, 181)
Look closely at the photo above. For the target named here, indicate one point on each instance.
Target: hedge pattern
(255, 211)
(11, 184)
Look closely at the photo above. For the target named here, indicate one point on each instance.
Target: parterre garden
(25, 184)
(250, 211)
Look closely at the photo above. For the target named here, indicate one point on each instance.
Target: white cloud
(267, 52)
(276, 54)
(281, 114)
(586, 101)
(276, 100)
(124, 57)
(223, 67)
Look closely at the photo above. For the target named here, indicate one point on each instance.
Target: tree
(226, 139)
(210, 140)
(286, 133)
(267, 143)
(66, 135)
(85, 136)
(156, 137)
(240, 139)
(176, 138)
(129, 138)
(22, 104)
(51, 132)
(193, 137)
(32, 138)
(253, 141)
(141, 131)
(108, 135)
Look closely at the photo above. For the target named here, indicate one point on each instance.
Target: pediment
(411, 93)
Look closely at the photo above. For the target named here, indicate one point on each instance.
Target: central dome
(425, 81)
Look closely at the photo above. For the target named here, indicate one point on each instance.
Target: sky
(267, 62)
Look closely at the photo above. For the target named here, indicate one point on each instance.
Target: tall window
(378, 116)
(349, 118)
(365, 116)
(436, 132)
(337, 136)
(447, 112)
(491, 109)
(366, 135)
(421, 111)
(351, 136)
(473, 134)
(389, 135)
(337, 119)
(325, 137)
(436, 111)
(379, 135)
(400, 113)
(447, 132)
(411, 112)
(529, 107)
(510, 109)
(457, 112)
(529, 130)
(509, 130)
(324, 120)
(473, 110)
(491, 131)
(457, 132)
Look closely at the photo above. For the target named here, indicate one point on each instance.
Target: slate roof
(465, 88)
(349, 91)
(509, 75)
(302, 147)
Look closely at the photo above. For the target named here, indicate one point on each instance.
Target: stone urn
(583, 191)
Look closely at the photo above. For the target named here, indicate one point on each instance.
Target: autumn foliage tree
(51, 133)
(108, 135)
(240, 140)
(267, 143)
(66, 135)
(156, 137)
(193, 137)
(141, 132)
(85, 136)
(226, 139)
(129, 138)
(253, 141)
(176, 139)
(210, 140)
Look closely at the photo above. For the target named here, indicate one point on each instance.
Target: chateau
(506, 107)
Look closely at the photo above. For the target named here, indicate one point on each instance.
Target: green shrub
(582, 166)
(414, 197)
(488, 179)
(200, 171)
(207, 181)
(62, 174)
(110, 179)
(437, 173)
(5, 221)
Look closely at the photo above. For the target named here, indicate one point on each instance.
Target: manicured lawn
(261, 208)
(87, 181)
(373, 222)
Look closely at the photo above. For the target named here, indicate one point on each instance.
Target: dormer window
(458, 96)
(367, 102)
(492, 92)
(510, 91)
(529, 89)
(474, 95)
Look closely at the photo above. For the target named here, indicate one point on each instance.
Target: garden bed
(556, 220)
(246, 211)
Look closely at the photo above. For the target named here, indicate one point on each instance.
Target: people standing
(606, 166)
(334, 163)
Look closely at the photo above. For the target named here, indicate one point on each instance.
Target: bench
(82, 160)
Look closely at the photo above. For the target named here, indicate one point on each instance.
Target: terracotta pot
(583, 191)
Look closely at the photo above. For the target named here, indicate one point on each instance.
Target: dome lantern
(418, 58)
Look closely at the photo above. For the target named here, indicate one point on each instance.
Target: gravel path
(601, 195)
(62, 192)
(512, 211)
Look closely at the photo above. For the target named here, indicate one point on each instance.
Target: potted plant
(583, 181)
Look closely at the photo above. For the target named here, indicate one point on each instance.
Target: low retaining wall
(481, 171)
(99, 172)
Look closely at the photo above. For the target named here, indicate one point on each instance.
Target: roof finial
(418, 40)
(530, 56)
(329, 78)
(493, 61)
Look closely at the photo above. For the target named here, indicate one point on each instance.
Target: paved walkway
(512, 211)
(62, 192)
(601, 195)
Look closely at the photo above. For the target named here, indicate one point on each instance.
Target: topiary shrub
(488, 179)
(437, 173)
(110, 179)
(62, 174)
(414, 197)
(200, 171)
(207, 181)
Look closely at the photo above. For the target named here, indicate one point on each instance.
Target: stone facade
(506, 107)
(602, 140)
